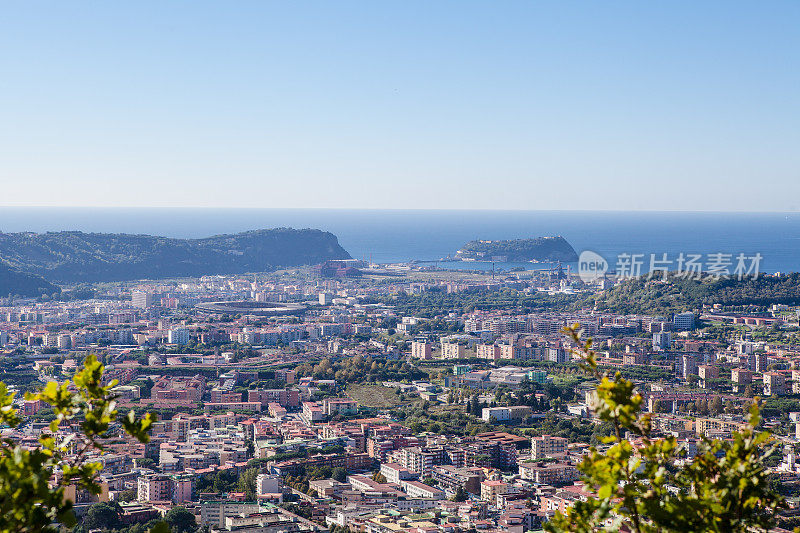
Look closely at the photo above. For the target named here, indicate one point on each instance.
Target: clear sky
(404, 104)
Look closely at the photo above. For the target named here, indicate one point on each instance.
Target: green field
(373, 396)
(566, 380)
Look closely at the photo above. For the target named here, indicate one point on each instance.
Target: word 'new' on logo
(591, 266)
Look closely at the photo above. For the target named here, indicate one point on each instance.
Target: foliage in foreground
(639, 488)
(28, 502)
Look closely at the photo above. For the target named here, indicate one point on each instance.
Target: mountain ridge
(76, 256)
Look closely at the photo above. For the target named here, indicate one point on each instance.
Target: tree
(339, 474)
(27, 501)
(715, 407)
(221, 481)
(247, 483)
(660, 406)
(477, 407)
(180, 520)
(724, 489)
(145, 462)
(103, 515)
(126, 496)
(460, 495)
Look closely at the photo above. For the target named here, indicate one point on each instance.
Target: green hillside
(539, 249)
(73, 256)
(14, 283)
(677, 294)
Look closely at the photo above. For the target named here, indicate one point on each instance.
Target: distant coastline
(385, 236)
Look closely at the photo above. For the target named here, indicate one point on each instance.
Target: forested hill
(14, 283)
(73, 256)
(678, 294)
(539, 249)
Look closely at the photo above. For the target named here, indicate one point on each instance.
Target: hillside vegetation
(539, 249)
(15, 283)
(634, 296)
(677, 294)
(73, 256)
(436, 302)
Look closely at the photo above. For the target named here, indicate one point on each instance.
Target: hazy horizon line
(400, 209)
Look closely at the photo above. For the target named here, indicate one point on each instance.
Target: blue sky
(502, 105)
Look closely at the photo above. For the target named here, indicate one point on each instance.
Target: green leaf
(160, 527)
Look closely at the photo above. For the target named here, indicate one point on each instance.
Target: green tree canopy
(180, 520)
(247, 483)
(103, 515)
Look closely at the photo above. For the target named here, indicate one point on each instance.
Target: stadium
(251, 308)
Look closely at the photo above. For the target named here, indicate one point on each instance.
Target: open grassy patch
(373, 395)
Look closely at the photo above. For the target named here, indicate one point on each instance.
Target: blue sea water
(402, 235)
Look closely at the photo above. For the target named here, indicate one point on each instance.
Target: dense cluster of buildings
(232, 400)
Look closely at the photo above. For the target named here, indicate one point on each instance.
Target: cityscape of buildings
(344, 412)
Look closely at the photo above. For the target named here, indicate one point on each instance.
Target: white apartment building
(141, 299)
(452, 350)
(267, 484)
(178, 336)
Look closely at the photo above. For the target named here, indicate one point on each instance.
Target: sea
(393, 236)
